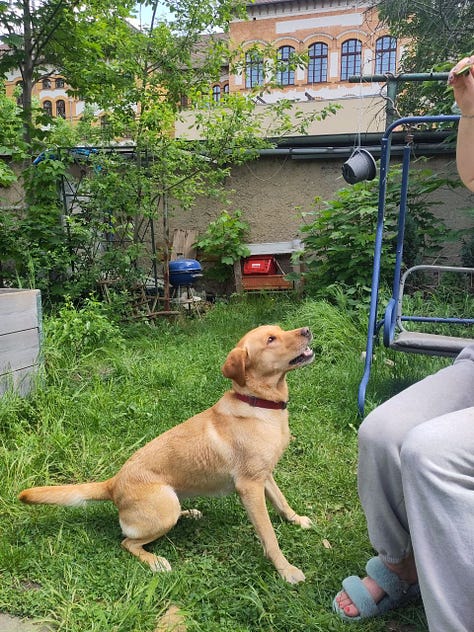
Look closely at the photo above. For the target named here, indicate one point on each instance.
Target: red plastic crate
(260, 265)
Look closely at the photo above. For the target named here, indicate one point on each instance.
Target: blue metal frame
(390, 318)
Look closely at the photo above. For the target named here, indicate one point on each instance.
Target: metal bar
(374, 296)
(415, 76)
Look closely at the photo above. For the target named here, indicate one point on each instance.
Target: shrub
(340, 235)
(78, 331)
(224, 242)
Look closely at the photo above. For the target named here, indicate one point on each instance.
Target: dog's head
(268, 352)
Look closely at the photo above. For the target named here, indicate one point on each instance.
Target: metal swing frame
(395, 335)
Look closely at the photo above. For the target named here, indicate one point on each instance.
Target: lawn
(106, 391)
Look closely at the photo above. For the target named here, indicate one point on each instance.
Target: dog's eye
(270, 339)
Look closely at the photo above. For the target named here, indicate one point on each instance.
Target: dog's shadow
(96, 526)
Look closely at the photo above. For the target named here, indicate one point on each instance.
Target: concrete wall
(274, 192)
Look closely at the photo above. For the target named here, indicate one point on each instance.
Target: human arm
(463, 86)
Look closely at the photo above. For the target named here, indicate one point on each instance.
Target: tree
(164, 64)
(438, 33)
(138, 79)
(51, 34)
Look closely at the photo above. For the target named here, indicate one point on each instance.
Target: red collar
(261, 403)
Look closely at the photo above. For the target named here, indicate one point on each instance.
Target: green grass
(104, 396)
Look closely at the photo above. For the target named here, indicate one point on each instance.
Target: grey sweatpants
(416, 485)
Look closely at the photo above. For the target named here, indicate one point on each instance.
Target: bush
(340, 236)
(78, 331)
(223, 241)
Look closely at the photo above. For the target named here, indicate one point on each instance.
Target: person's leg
(438, 480)
(381, 436)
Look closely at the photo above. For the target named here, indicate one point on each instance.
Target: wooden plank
(238, 277)
(21, 381)
(19, 349)
(275, 247)
(183, 241)
(266, 282)
(18, 310)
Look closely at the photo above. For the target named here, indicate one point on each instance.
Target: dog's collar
(261, 403)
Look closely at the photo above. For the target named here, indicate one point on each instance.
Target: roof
(352, 3)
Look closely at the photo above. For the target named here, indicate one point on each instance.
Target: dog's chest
(262, 447)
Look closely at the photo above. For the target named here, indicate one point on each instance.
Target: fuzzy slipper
(399, 593)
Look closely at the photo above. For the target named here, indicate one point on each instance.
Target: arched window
(226, 88)
(19, 93)
(48, 108)
(61, 108)
(59, 82)
(385, 55)
(216, 93)
(46, 84)
(351, 56)
(253, 69)
(318, 63)
(285, 73)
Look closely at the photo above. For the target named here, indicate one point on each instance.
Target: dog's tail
(67, 494)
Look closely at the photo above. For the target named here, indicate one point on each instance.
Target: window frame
(253, 69)
(318, 62)
(351, 58)
(59, 107)
(385, 55)
(48, 109)
(216, 93)
(285, 75)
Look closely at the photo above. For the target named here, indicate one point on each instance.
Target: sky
(144, 13)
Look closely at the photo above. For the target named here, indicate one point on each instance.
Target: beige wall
(274, 192)
(356, 115)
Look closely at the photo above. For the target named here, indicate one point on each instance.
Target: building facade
(340, 39)
(51, 94)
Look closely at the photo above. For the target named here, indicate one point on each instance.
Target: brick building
(340, 37)
(50, 92)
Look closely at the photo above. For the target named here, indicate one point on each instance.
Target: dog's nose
(306, 332)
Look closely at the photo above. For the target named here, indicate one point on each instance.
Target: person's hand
(463, 85)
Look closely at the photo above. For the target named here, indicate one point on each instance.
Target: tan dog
(232, 446)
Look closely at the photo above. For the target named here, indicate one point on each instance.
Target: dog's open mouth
(304, 358)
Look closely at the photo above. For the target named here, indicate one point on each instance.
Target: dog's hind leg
(144, 517)
(191, 513)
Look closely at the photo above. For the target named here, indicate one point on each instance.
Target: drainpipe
(392, 82)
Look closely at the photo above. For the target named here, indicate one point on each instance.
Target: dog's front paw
(292, 575)
(159, 564)
(303, 521)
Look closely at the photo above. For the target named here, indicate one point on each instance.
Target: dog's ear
(234, 366)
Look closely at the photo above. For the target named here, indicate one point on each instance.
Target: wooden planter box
(20, 339)
(266, 282)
